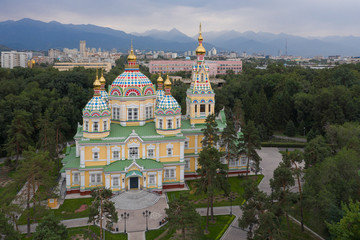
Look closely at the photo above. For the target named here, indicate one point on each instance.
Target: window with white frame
(133, 114)
(76, 178)
(95, 178)
(160, 123)
(243, 160)
(148, 112)
(152, 180)
(170, 173)
(186, 144)
(133, 152)
(95, 126)
(233, 162)
(86, 125)
(115, 182)
(223, 160)
(169, 124)
(187, 164)
(116, 113)
(150, 153)
(95, 156)
(116, 154)
(177, 123)
(105, 125)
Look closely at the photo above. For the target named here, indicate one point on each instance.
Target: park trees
(50, 228)
(212, 172)
(348, 228)
(102, 206)
(316, 151)
(229, 140)
(248, 144)
(35, 170)
(7, 229)
(182, 215)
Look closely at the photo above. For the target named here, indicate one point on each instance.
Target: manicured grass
(199, 200)
(216, 230)
(72, 232)
(108, 235)
(295, 230)
(67, 209)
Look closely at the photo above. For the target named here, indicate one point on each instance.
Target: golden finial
(160, 79)
(97, 83)
(200, 38)
(167, 81)
(200, 50)
(102, 79)
(131, 57)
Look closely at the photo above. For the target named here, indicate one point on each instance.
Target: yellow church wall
(89, 153)
(177, 179)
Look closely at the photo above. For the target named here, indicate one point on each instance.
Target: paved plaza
(135, 199)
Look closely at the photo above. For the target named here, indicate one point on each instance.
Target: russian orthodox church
(134, 137)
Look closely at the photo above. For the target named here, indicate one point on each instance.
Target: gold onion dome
(200, 49)
(102, 79)
(131, 57)
(167, 81)
(160, 79)
(97, 83)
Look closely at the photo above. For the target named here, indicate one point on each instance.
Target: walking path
(295, 139)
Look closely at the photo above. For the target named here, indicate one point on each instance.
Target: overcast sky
(304, 18)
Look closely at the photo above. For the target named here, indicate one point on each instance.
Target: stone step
(132, 200)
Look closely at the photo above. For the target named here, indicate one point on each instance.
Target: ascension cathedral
(133, 136)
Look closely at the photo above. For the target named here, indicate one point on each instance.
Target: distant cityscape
(219, 62)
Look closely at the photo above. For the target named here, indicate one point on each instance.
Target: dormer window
(160, 123)
(86, 125)
(105, 125)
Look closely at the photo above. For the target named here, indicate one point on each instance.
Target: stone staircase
(135, 199)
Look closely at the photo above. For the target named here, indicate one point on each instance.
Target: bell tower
(200, 100)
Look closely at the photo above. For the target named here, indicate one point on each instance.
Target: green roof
(70, 160)
(120, 165)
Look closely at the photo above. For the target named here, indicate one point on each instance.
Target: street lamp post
(231, 197)
(146, 214)
(125, 216)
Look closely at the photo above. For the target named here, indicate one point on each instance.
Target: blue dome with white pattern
(96, 103)
(159, 96)
(168, 106)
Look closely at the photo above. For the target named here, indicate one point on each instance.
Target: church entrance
(134, 183)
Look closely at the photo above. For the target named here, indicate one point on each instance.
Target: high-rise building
(13, 59)
(83, 48)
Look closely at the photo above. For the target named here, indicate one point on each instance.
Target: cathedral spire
(200, 50)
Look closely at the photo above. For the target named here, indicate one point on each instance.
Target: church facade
(134, 136)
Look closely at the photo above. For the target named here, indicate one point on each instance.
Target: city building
(134, 137)
(13, 59)
(66, 66)
(215, 67)
(83, 51)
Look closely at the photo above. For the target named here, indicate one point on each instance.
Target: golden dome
(131, 57)
(167, 81)
(160, 79)
(97, 83)
(200, 49)
(102, 79)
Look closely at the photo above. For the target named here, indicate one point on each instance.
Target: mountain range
(36, 35)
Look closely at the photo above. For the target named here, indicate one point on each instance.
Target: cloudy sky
(304, 18)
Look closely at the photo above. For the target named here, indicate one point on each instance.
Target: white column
(107, 181)
(158, 152)
(145, 179)
(196, 164)
(159, 179)
(108, 154)
(181, 151)
(77, 148)
(122, 181)
(82, 157)
(82, 180)
(196, 144)
(182, 174)
(143, 152)
(123, 152)
(68, 178)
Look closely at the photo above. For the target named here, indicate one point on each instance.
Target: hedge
(284, 144)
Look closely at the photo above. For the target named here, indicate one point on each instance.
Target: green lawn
(199, 200)
(67, 209)
(96, 230)
(296, 233)
(216, 229)
(72, 232)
